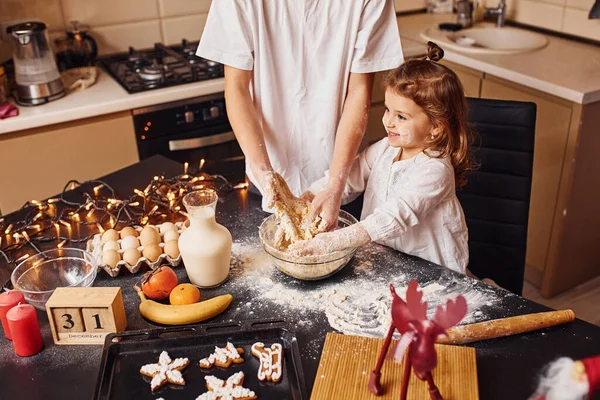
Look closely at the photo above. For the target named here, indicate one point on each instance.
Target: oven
(191, 130)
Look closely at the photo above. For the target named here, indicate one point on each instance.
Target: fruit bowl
(308, 268)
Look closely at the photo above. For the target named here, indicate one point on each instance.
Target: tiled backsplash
(118, 24)
(115, 24)
(567, 16)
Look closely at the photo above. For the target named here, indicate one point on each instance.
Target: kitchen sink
(487, 39)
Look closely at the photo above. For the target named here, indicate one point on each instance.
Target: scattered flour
(359, 304)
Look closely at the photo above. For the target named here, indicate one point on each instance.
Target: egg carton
(94, 246)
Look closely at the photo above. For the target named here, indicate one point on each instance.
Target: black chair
(496, 198)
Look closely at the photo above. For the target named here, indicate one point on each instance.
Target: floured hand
(326, 205)
(328, 242)
(292, 213)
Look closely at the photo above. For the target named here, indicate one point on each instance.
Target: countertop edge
(117, 100)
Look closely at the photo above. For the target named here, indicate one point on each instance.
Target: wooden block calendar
(85, 315)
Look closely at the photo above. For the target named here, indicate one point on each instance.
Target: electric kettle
(36, 74)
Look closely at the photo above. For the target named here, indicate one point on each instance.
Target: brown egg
(110, 234)
(170, 235)
(128, 231)
(110, 258)
(111, 245)
(152, 252)
(167, 226)
(148, 236)
(172, 249)
(131, 256)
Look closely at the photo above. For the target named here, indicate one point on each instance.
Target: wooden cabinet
(37, 163)
(470, 78)
(552, 129)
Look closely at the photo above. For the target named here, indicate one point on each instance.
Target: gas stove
(161, 66)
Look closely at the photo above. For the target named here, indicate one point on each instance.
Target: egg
(130, 242)
(128, 231)
(172, 249)
(152, 252)
(149, 235)
(111, 245)
(110, 258)
(109, 235)
(170, 235)
(167, 226)
(131, 256)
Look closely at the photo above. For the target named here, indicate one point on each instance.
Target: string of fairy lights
(48, 220)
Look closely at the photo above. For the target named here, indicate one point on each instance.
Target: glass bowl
(309, 268)
(39, 275)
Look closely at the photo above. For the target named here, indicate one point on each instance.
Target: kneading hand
(328, 242)
(326, 204)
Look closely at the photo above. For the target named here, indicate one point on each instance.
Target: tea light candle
(7, 301)
(25, 330)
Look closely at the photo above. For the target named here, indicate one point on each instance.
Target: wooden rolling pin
(505, 327)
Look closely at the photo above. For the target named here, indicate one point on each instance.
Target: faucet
(498, 12)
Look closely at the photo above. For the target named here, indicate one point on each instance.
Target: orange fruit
(184, 293)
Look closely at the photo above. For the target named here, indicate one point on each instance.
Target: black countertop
(507, 367)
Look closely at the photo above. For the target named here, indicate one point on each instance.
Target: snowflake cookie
(166, 370)
(223, 357)
(231, 389)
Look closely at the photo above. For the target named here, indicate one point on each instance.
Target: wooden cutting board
(347, 361)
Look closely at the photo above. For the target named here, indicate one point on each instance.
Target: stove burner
(153, 72)
(138, 70)
(188, 47)
(136, 58)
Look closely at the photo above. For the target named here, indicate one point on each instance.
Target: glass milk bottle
(205, 246)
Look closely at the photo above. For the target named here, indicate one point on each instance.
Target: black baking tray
(124, 353)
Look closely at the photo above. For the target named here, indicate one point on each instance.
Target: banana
(184, 314)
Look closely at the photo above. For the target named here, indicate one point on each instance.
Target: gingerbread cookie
(223, 357)
(271, 360)
(227, 390)
(166, 370)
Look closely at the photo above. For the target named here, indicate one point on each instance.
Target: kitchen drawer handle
(196, 143)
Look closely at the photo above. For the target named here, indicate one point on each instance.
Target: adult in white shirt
(298, 82)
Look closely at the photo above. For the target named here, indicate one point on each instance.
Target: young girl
(410, 177)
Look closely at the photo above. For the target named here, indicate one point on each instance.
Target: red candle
(7, 301)
(25, 330)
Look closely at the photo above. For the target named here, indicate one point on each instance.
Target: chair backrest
(496, 198)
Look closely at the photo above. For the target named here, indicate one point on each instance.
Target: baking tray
(124, 353)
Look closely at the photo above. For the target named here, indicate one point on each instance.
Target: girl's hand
(323, 243)
(328, 242)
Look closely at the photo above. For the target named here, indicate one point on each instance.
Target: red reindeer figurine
(418, 335)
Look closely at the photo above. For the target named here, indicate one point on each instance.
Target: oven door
(215, 145)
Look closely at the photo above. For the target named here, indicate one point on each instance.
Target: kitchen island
(507, 367)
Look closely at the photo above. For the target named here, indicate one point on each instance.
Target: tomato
(158, 284)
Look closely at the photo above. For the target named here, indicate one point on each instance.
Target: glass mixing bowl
(307, 268)
(38, 276)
